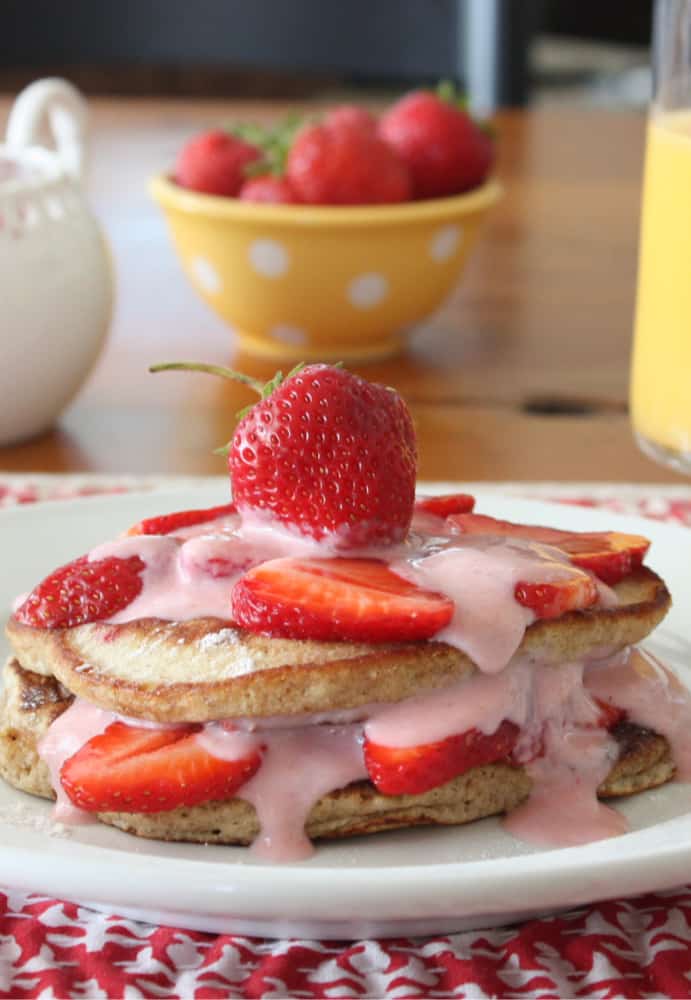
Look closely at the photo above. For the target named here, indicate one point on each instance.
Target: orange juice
(661, 376)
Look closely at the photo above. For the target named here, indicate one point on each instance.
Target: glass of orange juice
(661, 370)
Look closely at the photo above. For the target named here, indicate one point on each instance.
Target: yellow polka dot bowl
(319, 282)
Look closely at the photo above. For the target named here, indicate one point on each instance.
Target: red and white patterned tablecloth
(620, 948)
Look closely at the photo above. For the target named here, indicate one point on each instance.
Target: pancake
(31, 701)
(203, 669)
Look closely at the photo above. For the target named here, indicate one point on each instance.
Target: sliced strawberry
(133, 769)
(358, 599)
(443, 506)
(81, 592)
(551, 600)
(483, 524)
(414, 770)
(611, 555)
(217, 557)
(610, 715)
(163, 524)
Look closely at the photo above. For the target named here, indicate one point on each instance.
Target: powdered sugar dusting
(244, 663)
(220, 638)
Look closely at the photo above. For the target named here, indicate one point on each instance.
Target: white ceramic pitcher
(55, 276)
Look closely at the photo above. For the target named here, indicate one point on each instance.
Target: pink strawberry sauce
(299, 765)
(552, 707)
(70, 731)
(190, 574)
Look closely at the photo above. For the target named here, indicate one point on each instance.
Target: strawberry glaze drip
(299, 765)
(65, 736)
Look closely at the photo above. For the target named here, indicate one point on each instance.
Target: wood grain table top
(522, 375)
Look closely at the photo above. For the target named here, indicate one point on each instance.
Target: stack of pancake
(204, 669)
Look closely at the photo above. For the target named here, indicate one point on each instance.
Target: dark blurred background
(502, 51)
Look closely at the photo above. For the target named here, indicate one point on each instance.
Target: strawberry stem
(227, 373)
(274, 142)
(264, 389)
(448, 91)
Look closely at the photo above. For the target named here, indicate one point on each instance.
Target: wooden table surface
(521, 376)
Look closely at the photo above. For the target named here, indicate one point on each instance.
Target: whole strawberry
(214, 163)
(444, 149)
(269, 190)
(332, 165)
(350, 116)
(326, 453)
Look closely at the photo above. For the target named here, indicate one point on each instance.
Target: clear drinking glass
(661, 372)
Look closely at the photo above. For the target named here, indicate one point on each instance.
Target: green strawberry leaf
(274, 141)
(448, 91)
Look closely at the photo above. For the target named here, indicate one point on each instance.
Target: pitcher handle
(60, 105)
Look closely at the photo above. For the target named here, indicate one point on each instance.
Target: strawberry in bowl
(330, 238)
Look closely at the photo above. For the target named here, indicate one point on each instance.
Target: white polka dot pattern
(445, 242)
(288, 334)
(368, 290)
(206, 275)
(269, 258)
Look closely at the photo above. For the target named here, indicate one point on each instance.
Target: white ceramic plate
(402, 883)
